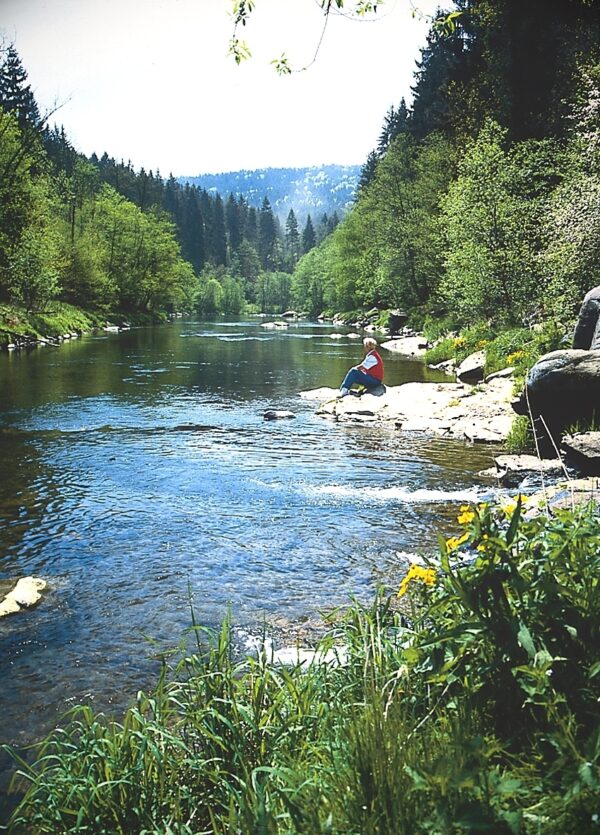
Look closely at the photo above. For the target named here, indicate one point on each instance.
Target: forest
(480, 202)
(96, 234)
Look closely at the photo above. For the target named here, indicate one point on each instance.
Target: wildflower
(510, 507)
(483, 544)
(455, 541)
(465, 517)
(516, 355)
(417, 573)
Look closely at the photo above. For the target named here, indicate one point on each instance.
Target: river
(138, 472)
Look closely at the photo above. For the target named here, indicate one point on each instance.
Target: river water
(138, 472)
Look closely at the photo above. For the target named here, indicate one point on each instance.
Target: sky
(150, 81)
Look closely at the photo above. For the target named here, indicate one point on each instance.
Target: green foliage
(443, 350)
(475, 712)
(520, 437)
(55, 320)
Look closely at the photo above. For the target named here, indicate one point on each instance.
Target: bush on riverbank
(474, 708)
(56, 320)
(516, 347)
(59, 318)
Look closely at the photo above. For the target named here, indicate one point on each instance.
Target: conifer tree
(232, 216)
(367, 172)
(251, 227)
(15, 93)
(309, 239)
(266, 235)
(219, 237)
(292, 239)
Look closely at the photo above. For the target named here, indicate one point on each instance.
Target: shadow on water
(139, 469)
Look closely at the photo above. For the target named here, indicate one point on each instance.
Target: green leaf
(594, 670)
(514, 522)
(526, 641)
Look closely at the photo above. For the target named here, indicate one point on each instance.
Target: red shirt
(373, 364)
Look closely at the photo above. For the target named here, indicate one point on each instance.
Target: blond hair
(369, 342)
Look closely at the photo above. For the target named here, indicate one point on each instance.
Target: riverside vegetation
(473, 706)
(469, 705)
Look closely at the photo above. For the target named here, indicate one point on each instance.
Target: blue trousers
(356, 376)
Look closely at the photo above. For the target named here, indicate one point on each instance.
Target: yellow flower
(455, 541)
(418, 573)
(510, 507)
(516, 355)
(465, 517)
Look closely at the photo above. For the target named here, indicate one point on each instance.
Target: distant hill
(315, 190)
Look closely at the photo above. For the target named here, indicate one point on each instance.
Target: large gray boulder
(583, 450)
(397, 318)
(471, 369)
(587, 331)
(513, 470)
(561, 390)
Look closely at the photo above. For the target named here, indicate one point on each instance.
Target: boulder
(513, 470)
(25, 594)
(587, 330)
(447, 366)
(471, 369)
(397, 318)
(278, 414)
(567, 494)
(561, 390)
(408, 346)
(583, 451)
(503, 374)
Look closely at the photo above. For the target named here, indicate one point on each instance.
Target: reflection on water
(139, 472)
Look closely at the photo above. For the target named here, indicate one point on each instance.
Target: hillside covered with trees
(315, 191)
(480, 202)
(97, 234)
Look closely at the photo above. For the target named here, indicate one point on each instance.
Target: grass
(59, 318)
(469, 705)
(56, 320)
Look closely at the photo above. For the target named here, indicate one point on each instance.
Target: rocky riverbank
(481, 413)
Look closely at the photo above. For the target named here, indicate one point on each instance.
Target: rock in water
(275, 414)
(512, 470)
(25, 594)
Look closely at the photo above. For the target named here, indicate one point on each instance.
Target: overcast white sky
(150, 81)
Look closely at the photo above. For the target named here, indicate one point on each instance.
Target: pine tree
(367, 172)
(15, 94)
(219, 237)
(292, 239)
(60, 150)
(232, 216)
(266, 235)
(251, 227)
(309, 239)
(395, 122)
(191, 234)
